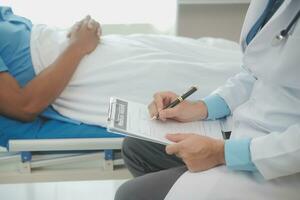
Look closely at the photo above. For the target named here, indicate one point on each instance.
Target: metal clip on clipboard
(117, 113)
(112, 102)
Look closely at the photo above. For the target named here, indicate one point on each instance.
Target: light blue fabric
(2, 65)
(50, 113)
(15, 54)
(15, 45)
(216, 106)
(48, 129)
(237, 152)
(237, 155)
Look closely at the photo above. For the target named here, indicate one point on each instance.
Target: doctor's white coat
(265, 101)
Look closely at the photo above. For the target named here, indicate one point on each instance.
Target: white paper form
(132, 119)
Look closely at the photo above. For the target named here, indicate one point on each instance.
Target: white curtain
(63, 13)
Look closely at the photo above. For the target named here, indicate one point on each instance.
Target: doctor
(261, 160)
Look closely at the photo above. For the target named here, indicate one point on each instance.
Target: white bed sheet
(134, 67)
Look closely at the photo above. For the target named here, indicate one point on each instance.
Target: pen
(178, 100)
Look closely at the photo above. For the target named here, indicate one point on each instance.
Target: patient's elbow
(27, 118)
(28, 114)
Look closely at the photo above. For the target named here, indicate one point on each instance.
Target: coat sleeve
(278, 153)
(237, 89)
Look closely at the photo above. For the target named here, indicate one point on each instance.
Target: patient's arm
(26, 103)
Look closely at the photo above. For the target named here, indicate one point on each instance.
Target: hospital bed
(86, 148)
(33, 153)
(214, 59)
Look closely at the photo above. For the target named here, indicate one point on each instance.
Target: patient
(75, 74)
(23, 95)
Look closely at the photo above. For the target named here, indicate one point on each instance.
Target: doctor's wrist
(202, 110)
(220, 155)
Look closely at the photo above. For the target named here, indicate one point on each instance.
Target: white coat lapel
(255, 10)
(273, 26)
(271, 63)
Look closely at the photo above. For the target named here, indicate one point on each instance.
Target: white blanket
(134, 67)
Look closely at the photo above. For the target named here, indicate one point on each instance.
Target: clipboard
(132, 119)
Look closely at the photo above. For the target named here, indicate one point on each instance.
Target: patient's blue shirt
(15, 46)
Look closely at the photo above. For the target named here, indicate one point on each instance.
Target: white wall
(151, 16)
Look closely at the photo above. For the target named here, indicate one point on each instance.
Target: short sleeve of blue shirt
(2, 65)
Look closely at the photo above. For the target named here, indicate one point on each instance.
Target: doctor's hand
(185, 111)
(85, 35)
(198, 152)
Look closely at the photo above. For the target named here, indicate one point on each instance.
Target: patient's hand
(91, 24)
(84, 35)
(185, 111)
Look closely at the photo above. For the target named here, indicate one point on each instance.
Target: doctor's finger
(168, 95)
(152, 109)
(158, 101)
(177, 137)
(173, 149)
(169, 113)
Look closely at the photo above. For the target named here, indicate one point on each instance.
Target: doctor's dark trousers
(155, 171)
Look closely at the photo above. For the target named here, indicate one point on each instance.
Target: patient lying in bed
(37, 62)
(133, 67)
